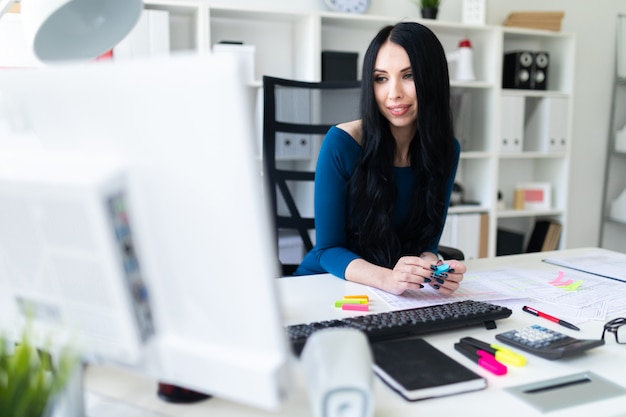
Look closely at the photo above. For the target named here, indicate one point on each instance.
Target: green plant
(29, 378)
(428, 4)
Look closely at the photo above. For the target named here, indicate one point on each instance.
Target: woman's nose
(395, 90)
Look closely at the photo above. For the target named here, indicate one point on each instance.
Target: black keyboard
(403, 323)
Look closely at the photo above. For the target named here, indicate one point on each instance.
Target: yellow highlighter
(340, 303)
(363, 296)
(502, 354)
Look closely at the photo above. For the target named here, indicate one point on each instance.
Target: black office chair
(296, 116)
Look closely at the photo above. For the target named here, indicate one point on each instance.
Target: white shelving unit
(289, 45)
(546, 131)
(613, 234)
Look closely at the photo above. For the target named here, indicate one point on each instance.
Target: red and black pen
(538, 313)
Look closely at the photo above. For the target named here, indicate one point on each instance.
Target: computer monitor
(133, 222)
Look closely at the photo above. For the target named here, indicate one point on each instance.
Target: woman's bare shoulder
(352, 128)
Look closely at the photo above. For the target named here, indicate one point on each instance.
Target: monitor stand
(179, 395)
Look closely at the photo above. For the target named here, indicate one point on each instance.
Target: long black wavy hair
(372, 187)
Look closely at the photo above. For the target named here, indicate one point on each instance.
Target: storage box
(535, 20)
(511, 123)
(509, 242)
(547, 125)
(467, 232)
(339, 66)
(244, 53)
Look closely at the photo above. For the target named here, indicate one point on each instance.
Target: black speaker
(525, 70)
(539, 74)
(516, 71)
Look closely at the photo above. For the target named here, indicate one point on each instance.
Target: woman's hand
(448, 282)
(409, 273)
(413, 272)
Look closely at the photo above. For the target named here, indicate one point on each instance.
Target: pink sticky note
(558, 278)
(356, 307)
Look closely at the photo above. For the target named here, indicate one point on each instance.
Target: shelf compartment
(475, 176)
(353, 34)
(185, 22)
(534, 123)
(283, 41)
(342, 33)
(472, 111)
(550, 170)
(523, 227)
(559, 46)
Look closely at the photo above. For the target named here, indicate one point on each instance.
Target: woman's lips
(398, 110)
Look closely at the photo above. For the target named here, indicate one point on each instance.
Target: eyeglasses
(618, 328)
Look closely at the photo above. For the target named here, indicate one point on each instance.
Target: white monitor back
(180, 131)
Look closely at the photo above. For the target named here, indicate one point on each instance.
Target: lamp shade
(62, 30)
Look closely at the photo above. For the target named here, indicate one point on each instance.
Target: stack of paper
(535, 20)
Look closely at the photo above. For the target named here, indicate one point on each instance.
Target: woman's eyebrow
(402, 70)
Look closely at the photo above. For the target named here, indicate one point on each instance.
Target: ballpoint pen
(538, 313)
(482, 358)
(501, 353)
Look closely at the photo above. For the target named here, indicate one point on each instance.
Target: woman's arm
(410, 272)
(335, 164)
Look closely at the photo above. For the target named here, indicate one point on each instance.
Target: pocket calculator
(546, 343)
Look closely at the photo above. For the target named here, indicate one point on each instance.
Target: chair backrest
(296, 116)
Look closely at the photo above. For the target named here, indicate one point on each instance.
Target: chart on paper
(576, 296)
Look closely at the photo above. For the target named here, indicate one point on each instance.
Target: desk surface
(311, 298)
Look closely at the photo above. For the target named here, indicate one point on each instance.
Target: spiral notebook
(417, 370)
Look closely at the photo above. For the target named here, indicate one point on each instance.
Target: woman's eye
(408, 76)
(380, 79)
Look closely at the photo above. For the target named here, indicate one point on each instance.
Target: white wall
(593, 22)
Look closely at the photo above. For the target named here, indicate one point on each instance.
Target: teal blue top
(336, 163)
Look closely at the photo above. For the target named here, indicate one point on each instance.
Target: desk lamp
(63, 30)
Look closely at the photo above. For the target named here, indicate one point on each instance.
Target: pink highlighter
(484, 359)
(355, 307)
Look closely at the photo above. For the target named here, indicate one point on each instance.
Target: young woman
(383, 183)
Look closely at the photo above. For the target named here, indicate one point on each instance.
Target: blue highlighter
(442, 268)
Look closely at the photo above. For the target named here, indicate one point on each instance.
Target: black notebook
(418, 370)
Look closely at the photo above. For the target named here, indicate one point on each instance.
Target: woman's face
(394, 88)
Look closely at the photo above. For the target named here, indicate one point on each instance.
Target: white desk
(312, 298)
